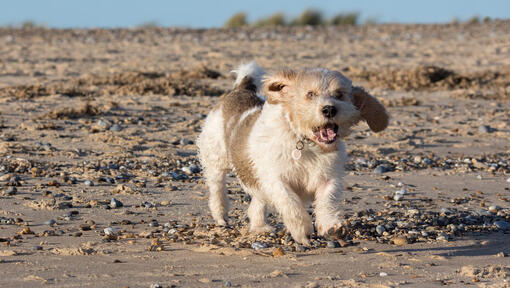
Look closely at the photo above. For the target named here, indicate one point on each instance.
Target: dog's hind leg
(213, 156)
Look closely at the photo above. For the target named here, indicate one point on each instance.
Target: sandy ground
(91, 115)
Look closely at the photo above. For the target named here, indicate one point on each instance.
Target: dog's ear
(276, 86)
(371, 110)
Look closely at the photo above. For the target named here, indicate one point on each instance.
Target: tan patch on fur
(234, 104)
(240, 159)
(371, 109)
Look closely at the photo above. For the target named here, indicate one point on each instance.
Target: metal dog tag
(296, 154)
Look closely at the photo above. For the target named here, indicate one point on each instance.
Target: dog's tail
(249, 76)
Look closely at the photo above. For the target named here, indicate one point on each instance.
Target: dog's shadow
(483, 245)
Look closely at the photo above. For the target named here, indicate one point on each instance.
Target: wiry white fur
(253, 70)
(279, 173)
(286, 184)
(213, 156)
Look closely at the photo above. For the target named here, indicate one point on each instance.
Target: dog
(281, 133)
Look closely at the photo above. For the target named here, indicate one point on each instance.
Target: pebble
(228, 284)
(380, 169)
(442, 237)
(110, 231)
(156, 286)
(332, 244)
(10, 191)
(37, 248)
(147, 204)
(446, 211)
(116, 128)
(401, 191)
(154, 223)
(103, 123)
(114, 203)
(88, 183)
(508, 180)
(258, 245)
(502, 225)
(383, 274)
(485, 129)
(398, 197)
(380, 229)
(494, 209)
(185, 141)
(50, 222)
(400, 241)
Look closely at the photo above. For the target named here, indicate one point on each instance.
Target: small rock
(277, 252)
(10, 191)
(312, 285)
(400, 241)
(494, 209)
(156, 286)
(116, 128)
(228, 284)
(485, 129)
(110, 231)
(114, 203)
(398, 197)
(442, 237)
(258, 245)
(88, 183)
(103, 124)
(185, 141)
(380, 169)
(502, 225)
(37, 248)
(332, 244)
(380, 229)
(147, 204)
(402, 191)
(50, 222)
(383, 274)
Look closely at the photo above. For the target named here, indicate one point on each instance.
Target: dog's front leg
(290, 207)
(327, 214)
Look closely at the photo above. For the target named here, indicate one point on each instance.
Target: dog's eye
(310, 95)
(339, 94)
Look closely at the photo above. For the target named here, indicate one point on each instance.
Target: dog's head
(322, 105)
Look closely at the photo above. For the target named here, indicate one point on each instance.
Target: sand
(91, 115)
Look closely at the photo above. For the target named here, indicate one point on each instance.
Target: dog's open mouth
(326, 134)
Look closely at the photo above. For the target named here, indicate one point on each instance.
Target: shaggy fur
(257, 138)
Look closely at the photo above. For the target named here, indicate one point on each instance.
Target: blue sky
(203, 13)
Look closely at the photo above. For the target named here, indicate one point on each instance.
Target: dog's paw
(301, 232)
(221, 222)
(336, 231)
(261, 229)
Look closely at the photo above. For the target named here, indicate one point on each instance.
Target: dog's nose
(329, 111)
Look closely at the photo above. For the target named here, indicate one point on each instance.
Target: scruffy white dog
(286, 150)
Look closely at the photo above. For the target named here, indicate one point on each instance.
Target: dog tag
(296, 154)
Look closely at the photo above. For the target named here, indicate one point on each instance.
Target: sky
(214, 13)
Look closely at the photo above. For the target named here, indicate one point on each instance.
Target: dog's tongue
(327, 134)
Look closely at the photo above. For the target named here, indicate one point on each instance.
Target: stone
(485, 129)
(380, 229)
(258, 245)
(332, 244)
(10, 191)
(114, 203)
(111, 231)
(380, 169)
